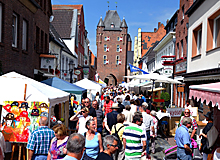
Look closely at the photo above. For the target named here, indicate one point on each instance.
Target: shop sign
(86, 71)
(176, 112)
(181, 67)
(77, 72)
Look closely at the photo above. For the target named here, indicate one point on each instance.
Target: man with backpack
(117, 131)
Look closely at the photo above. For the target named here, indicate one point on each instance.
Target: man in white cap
(111, 118)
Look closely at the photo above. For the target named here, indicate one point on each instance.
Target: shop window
(14, 30)
(197, 41)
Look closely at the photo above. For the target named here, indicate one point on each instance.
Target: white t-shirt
(82, 123)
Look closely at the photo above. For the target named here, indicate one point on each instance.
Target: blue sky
(144, 14)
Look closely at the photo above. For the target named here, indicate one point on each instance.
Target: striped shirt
(40, 139)
(133, 135)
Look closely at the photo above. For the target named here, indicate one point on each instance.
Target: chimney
(155, 29)
(159, 23)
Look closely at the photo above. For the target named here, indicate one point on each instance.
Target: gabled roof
(112, 17)
(62, 22)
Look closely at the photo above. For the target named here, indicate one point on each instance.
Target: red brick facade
(181, 49)
(104, 70)
(14, 58)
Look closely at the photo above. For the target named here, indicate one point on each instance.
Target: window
(118, 38)
(213, 31)
(183, 12)
(37, 39)
(14, 30)
(104, 59)
(105, 38)
(181, 48)
(217, 32)
(24, 35)
(105, 47)
(177, 54)
(117, 60)
(118, 48)
(0, 22)
(42, 42)
(197, 41)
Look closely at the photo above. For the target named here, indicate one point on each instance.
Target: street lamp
(71, 68)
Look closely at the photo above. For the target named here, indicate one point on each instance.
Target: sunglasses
(83, 112)
(113, 145)
(187, 112)
(86, 102)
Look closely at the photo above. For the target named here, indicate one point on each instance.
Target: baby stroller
(173, 150)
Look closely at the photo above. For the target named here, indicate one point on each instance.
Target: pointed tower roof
(101, 23)
(112, 17)
(123, 23)
(129, 38)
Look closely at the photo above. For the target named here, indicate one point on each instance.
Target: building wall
(105, 69)
(13, 58)
(209, 58)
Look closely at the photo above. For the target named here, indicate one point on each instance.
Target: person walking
(203, 135)
(111, 118)
(134, 140)
(120, 105)
(153, 130)
(119, 129)
(81, 117)
(75, 147)
(93, 141)
(58, 143)
(107, 105)
(99, 115)
(193, 129)
(110, 144)
(39, 141)
(147, 126)
(183, 140)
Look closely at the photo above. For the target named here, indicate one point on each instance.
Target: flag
(136, 69)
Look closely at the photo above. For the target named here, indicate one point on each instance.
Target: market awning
(157, 89)
(144, 84)
(208, 92)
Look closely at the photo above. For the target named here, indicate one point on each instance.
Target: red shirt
(108, 106)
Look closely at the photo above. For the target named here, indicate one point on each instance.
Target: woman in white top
(133, 107)
(82, 117)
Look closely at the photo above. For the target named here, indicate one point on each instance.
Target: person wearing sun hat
(111, 118)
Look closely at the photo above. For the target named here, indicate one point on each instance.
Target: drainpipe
(171, 97)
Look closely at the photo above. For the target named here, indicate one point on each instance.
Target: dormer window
(112, 25)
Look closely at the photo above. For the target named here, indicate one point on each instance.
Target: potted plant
(166, 97)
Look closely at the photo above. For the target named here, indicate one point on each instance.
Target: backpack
(117, 136)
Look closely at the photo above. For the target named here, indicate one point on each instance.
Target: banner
(20, 118)
(136, 69)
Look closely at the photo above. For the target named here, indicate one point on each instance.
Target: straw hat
(115, 106)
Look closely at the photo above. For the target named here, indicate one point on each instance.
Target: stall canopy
(64, 85)
(208, 92)
(12, 88)
(92, 87)
(102, 83)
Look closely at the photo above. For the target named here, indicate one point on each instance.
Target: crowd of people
(118, 125)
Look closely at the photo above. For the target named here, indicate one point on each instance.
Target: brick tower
(112, 42)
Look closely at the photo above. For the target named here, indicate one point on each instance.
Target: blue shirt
(39, 140)
(69, 158)
(182, 137)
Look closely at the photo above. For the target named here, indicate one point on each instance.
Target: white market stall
(13, 86)
(92, 87)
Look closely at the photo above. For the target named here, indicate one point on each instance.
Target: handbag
(212, 136)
